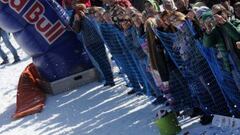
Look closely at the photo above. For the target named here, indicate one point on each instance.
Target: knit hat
(207, 15)
(200, 11)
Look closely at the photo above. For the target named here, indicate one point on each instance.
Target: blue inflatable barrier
(10, 20)
(116, 42)
(41, 30)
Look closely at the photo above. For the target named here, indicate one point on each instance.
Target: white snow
(89, 110)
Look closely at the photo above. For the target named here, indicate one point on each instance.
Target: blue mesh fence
(94, 44)
(181, 46)
(116, 42)
(199, 66)
(126, 50)
(226, 80)
(179, 90)
(179, 94)
(140, 58)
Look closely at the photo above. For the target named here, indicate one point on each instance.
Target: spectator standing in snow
(94, 44)
(5, 37)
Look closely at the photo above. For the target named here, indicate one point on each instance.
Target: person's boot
(5, 62)
(206, 119)
(139, 93)
(153, 94)
(109, 84)
(16, 61)
(131, 92)
(196, 112)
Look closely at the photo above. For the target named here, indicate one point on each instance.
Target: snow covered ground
(89, 110)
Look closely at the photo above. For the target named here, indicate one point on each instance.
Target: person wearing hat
(223, 34)
(151, 7)
(194, 15)
(217, 25)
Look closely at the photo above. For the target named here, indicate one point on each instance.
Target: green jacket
(224, 39)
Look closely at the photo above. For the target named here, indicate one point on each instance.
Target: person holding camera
(223, 33)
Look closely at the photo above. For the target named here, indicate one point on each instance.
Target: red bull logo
(35, 16)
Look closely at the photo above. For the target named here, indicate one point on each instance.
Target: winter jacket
(156, 51)
(224, 39)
